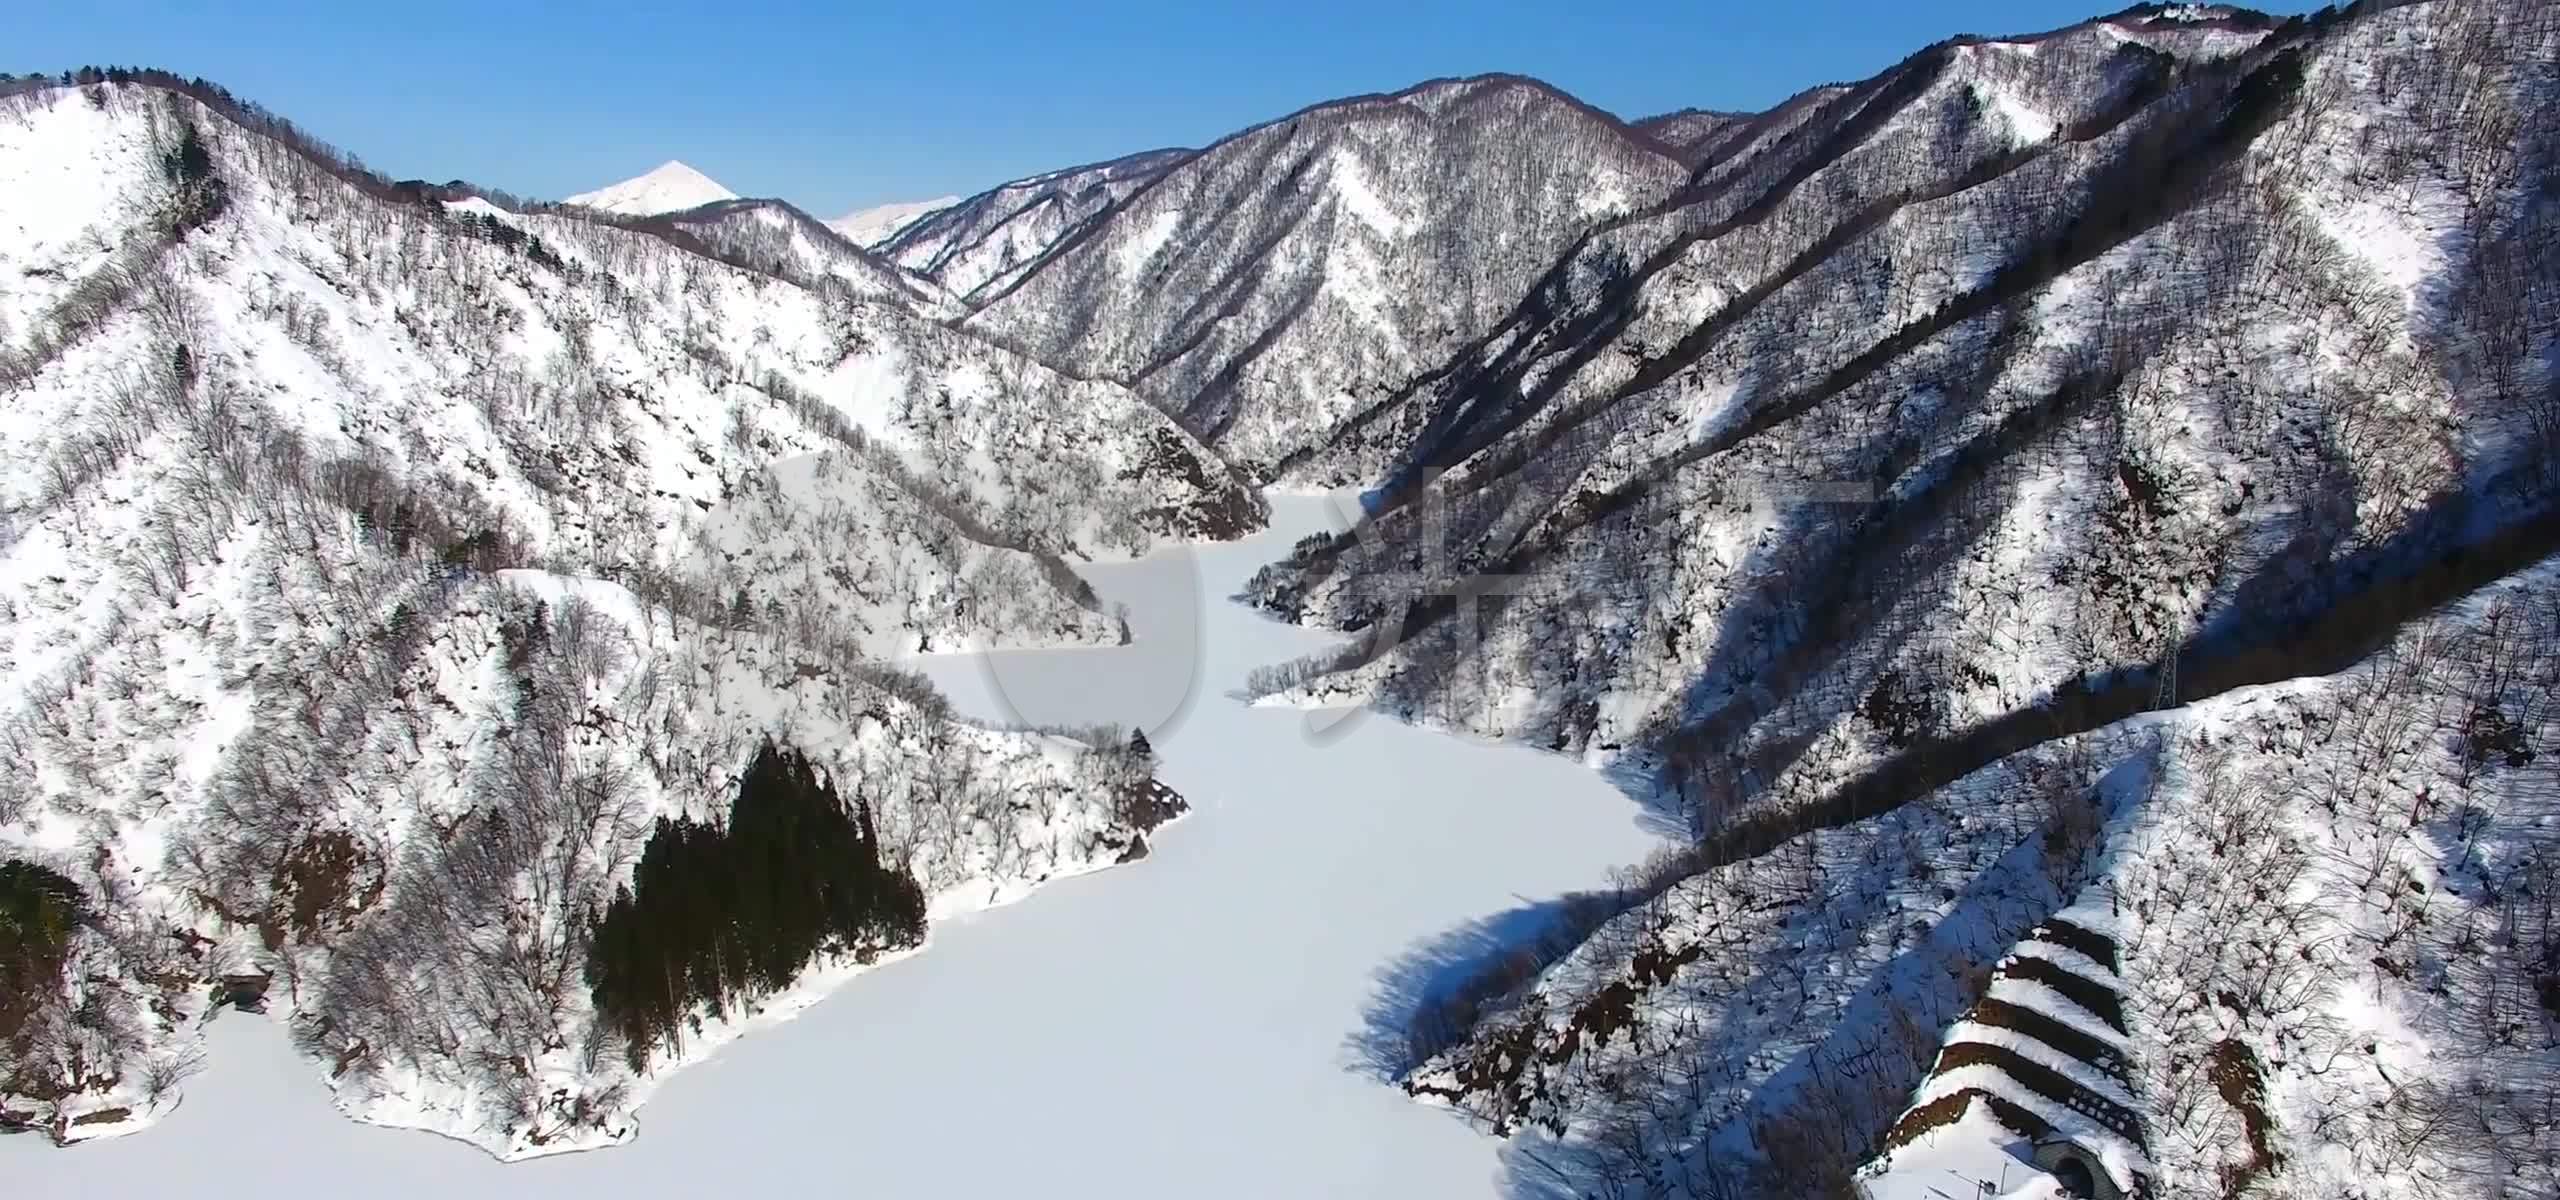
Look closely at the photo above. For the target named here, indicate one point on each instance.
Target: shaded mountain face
(669, 187)
(1281, 279)
(1856, 504)
(980, 245)
(421, 555)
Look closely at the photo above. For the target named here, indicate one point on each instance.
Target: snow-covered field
(1194, 1024)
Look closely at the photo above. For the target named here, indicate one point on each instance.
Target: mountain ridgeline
(984, 243)
(2059, 535)
(424, 548)
(1265, 287)
(2002, 488)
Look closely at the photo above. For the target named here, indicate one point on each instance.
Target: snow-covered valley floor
(1189, 1025)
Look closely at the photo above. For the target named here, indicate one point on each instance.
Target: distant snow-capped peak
(869, 227)
(672, 187)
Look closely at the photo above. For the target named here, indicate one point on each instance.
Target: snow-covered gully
(1197, 1023)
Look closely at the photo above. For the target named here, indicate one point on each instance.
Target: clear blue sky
(857, 103)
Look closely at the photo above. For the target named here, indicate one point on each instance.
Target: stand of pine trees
(38, 908)
(718, 913)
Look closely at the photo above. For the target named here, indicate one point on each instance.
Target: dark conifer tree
(716, 914)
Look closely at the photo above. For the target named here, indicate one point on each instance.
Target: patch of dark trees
(188, 166)
(39, 907)
(489, 227)
(719, 913)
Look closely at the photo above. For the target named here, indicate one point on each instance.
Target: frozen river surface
(1191, 1025)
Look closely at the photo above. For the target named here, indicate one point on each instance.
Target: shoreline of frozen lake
(1191, 1024)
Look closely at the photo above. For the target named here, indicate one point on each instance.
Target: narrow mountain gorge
(2059, 541)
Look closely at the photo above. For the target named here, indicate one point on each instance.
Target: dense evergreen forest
(720, 913)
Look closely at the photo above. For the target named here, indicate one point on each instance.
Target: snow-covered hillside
(1290, 275)
(1900, 357)
(668, 187)
(1692, 134)
(2298, 939)
(2062, 537)
(782, 240)
(980, 245)
(1974, 408)
(376, 570)
(869, 227)
(1115, 1003)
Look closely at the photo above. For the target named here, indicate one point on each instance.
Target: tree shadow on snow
(1639, 778)
(1431, 975)
(1861, 1060)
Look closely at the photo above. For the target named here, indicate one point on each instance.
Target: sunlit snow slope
(868, 227)
(668, 187)
(1199, 1023)
(375, 571)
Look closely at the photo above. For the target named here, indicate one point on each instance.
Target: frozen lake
(1186, 1026)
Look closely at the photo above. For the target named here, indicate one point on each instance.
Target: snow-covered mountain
(869, 227)
(981, 244)
(775, 237)
(1287, 276)
(379, 572)
(2063, 533)
(1691, 133)
(668, 187)
(1857, 504)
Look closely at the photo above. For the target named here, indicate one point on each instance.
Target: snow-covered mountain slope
(2296, 940)
(978, 246)
(375, 571)
(1903, 337)
(1291, 274)
(668, 187)
(869, 227)
(777, 238)
(1985, 403)
(1691, 134)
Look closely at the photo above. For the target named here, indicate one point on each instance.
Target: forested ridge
(428, 551)
(1998, 489)
(2058, 537)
